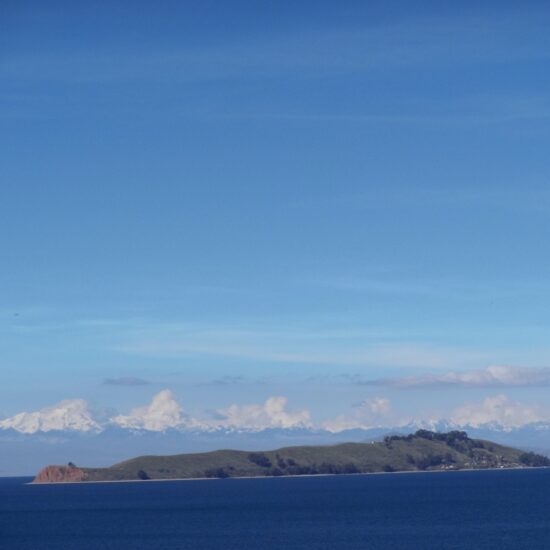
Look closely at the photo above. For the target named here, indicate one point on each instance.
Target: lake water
(492, 509)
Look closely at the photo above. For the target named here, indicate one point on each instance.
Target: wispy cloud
(293, 345)
(224, 381)
(469, 110)
(125, 381)
(370, 285)
(456, 40)
(492, 376)
(397, 355)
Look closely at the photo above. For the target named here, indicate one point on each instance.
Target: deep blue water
(497, 509)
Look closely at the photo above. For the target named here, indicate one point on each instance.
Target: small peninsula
(421, 451)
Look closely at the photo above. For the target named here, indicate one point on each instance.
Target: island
(422, 451)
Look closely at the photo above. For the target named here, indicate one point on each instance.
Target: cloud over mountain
(372, 412)
(498, 410)
(491, 376)
(271, 414)
(162, 413)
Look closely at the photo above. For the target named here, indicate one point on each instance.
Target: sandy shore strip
(288, 476)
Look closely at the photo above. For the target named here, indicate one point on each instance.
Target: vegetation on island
(422, 451)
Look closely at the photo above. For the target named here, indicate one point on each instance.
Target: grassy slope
(396, 454)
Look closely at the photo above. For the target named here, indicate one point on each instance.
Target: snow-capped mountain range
(68, 415)
(69, 430)
(161, 414)
(164, 413)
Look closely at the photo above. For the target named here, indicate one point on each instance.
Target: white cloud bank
(371, 413)
(162, 413)
(491, 376)
(497, 410)
(271, 414)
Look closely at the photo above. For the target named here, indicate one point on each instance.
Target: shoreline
(285, 476)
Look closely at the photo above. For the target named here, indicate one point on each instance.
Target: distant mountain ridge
(68, 415)
(71, 429)
(422, 451)
(73, 415)
(162, 414)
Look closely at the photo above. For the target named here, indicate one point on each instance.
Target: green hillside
(422, 451)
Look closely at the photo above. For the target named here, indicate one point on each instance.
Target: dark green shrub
(216, 472)
(534, 459)
(260, 459)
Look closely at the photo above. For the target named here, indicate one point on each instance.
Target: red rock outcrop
(60, 474)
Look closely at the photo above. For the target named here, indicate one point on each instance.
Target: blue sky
(244, 199)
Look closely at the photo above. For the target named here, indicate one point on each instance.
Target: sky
(239, 200)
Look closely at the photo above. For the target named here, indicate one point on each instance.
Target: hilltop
(421, 451)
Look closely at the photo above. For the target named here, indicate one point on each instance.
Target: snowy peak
(67, 415)
(163, 413)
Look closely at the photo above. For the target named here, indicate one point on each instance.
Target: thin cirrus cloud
(228, 380)
(290, 346)
(126, 381)
(359, 49)
(491, 376)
